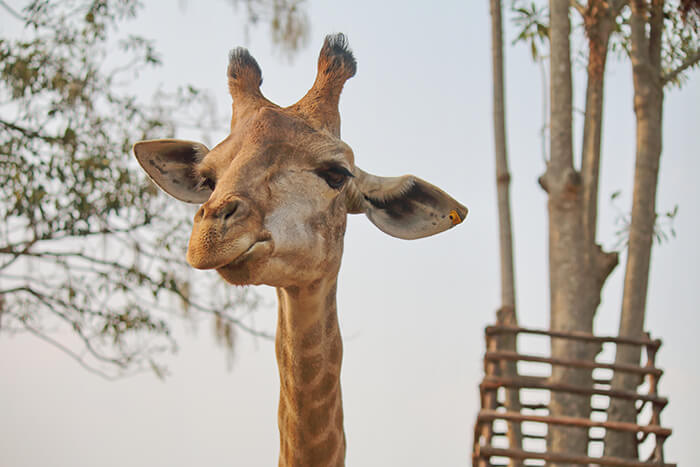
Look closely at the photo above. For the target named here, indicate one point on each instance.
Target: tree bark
(598, 18)
(597, 28)
(507, 312)
(648, 106)
(567, 253)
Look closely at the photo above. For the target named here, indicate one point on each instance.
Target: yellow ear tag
(454, 217)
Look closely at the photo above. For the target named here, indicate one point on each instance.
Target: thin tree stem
(689, 61)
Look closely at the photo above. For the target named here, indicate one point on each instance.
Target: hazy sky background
(412, 313)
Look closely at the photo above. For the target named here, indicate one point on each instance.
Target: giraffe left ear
(404, 207)
(171, 163)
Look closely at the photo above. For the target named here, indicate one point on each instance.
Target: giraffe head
(275, 193)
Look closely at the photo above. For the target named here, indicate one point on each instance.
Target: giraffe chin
(238, 271)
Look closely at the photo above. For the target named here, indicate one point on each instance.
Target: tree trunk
(507, 313)
(648, 106)
(598, 34)
(567, 253)
(599, 20)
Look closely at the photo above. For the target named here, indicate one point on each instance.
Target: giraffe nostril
(229, 210)
(199, 214)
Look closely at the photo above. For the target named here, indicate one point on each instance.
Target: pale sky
(412, 313)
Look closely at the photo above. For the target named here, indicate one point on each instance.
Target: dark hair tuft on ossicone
(241, 63)
(337, 50)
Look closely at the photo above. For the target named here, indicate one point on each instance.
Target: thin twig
(29, 133)
(690, 60)
(578, 7)
(149, 280)
(74, 325)
(12, 11)
(67, 351)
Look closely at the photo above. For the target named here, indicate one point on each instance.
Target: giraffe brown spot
(335, 355)
(330, 298)
(312, 336)
(314, 286)
(323, 452)
(339, 417)
(310, 367)
(293, 291)
(319, 418)
(331, 323)
(325, 386)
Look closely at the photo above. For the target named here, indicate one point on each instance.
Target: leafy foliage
(680, 53)
(533, 23)
(287, 19)
(91, 255)
(664, 227)
(680, 43)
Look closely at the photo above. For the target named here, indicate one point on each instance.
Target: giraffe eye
(208, 182)
(335, 176)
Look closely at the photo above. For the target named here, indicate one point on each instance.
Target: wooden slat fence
(493, 410)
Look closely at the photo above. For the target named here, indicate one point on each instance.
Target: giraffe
(275, 195)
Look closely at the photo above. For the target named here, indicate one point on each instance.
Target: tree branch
(690, 60)
(578, 7)
(66, 351)
(605, 264)
(12, 11)
(15, 254)
(29, 133)
(144, 277)
(74, 325)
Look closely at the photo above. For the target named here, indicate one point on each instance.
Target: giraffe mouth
(240, 270)
(263, 244)
(253, 250)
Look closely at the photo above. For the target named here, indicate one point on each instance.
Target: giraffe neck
(309, 353)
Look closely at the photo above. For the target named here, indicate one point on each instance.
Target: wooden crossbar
(576, 335)
(488, 451)
(532, 382)
(486, 415)
(503, 434)
(514, 356)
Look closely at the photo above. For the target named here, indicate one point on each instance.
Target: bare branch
(141, 276)
(15, 254)
(74, 325)
(578, 7)
(66, 351)
(690, 61)
(12, 11)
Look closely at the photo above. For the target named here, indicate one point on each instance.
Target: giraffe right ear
(171, 163)
(403, 207)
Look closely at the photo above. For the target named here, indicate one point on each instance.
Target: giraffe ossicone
(275, 195)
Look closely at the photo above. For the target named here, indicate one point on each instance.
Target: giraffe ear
(404, 207)
(171, 163)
